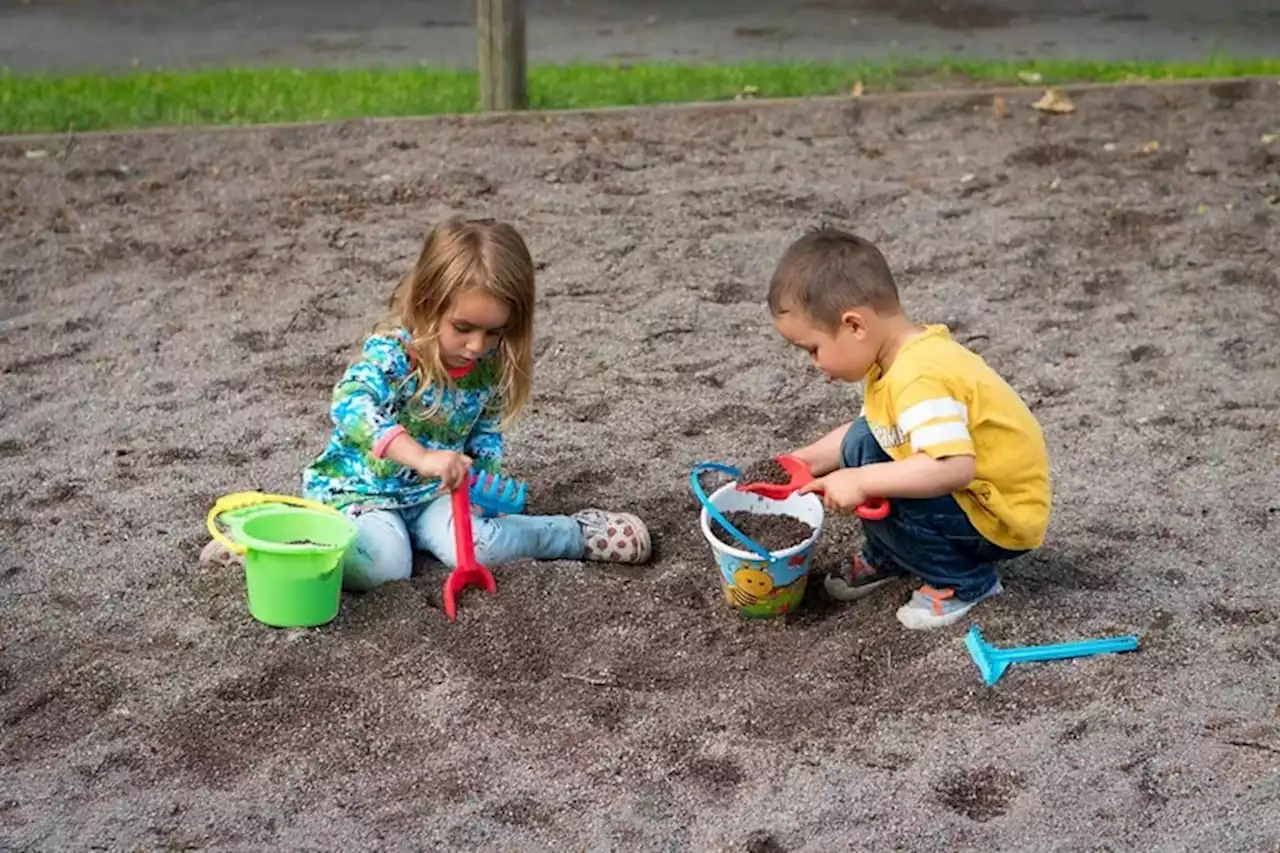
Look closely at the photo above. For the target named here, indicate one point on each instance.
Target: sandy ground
(175, 308)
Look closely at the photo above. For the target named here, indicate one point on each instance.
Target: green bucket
(292, 557)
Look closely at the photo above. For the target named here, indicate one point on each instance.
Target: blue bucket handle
(701, 495)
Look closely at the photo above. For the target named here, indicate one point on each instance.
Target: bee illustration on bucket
(748, 587)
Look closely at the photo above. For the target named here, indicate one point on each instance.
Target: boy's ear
(854, 322)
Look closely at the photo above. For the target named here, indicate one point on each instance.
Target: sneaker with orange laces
(858, 578)
(937, 608)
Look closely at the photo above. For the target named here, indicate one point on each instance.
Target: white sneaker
(937, 608)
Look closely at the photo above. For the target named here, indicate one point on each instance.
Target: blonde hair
(459, 256)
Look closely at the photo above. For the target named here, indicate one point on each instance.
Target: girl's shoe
(614, 537)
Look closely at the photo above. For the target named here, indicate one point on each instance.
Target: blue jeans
(930, 538)
(386, 539)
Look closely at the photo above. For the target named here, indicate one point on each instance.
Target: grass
(38, 103)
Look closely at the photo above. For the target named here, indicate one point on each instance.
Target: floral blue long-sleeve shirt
(376, 400)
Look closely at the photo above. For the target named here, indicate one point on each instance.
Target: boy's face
(846, 352)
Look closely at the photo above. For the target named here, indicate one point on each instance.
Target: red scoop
(876, 509)
(468, 572)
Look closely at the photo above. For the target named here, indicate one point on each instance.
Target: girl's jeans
(386, 539)
(931, 538)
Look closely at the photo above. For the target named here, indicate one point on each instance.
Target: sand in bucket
(753, 586)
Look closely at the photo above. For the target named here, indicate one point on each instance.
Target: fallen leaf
(1054, 102)
(1030, 77)
(1201, 209)
(748, 91)
(1150, 148)
(1268, 138)
(856, 92)
(998, 107)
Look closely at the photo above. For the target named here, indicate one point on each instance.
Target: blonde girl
(427, 402)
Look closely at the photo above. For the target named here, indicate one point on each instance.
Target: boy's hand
(449, 466)
(841, 490)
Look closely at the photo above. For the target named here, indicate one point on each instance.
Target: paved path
(78, 34)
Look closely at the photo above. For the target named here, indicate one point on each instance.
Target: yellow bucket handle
(241, 500)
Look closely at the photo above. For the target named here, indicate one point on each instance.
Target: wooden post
(500, 25)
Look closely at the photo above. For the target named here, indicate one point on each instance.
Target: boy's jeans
(931, 538)
(386, 539)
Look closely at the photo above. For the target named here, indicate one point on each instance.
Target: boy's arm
(942, 461)
(824, 456)
(918, 476)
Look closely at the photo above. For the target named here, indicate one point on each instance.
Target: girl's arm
(485, 444)
(361, 411)
(362, 398)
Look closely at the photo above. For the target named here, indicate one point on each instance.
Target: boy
(954, 448)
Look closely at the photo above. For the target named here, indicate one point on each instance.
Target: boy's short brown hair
(827, 272)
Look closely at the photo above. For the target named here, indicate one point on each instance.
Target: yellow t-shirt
(944, 400)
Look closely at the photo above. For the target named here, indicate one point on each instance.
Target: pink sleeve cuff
(380, 446)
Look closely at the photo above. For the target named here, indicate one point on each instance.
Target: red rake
(876, 509)
(467, 573)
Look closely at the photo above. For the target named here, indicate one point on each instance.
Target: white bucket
(754, 586)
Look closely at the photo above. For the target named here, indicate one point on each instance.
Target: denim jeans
(386, 539)
(930, 538)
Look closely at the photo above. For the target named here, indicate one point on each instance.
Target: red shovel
(876, 509)
(467, 572)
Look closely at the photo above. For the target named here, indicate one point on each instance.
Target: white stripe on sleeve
(938, 434)
(926, 410)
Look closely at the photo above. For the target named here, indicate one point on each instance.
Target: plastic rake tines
(497, 494)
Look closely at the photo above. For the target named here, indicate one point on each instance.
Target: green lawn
(31, 103)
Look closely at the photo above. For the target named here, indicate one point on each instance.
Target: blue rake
(498, 495)
(992, 662)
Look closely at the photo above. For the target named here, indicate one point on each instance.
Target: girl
(428, 401)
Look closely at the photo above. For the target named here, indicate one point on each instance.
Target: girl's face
(472, 328)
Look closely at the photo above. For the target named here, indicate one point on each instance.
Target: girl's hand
(840, 490)
(450, 467)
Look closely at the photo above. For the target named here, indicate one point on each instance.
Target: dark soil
(175, 308)
(764, 471)
(774, 532)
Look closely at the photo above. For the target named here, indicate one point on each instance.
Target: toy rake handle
(462, 541)
(1080, 649)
